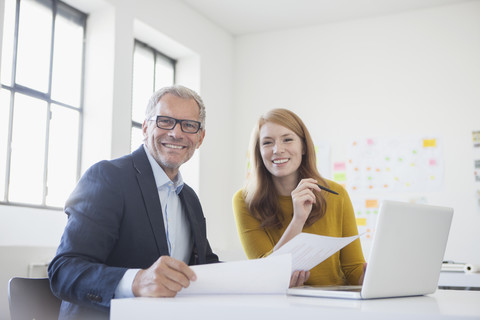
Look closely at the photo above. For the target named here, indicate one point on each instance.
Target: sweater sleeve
(256, 242)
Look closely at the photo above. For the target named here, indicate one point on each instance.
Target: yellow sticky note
(429, 143)
(361, 221)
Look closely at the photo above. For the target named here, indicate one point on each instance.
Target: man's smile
(172, 146)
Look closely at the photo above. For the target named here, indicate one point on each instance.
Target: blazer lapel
(146, 181)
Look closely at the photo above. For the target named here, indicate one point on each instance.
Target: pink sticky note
(339, 166)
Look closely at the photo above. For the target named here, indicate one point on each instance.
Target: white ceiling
(252, 16)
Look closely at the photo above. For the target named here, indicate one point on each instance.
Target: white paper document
(269, 275)
(308, 249)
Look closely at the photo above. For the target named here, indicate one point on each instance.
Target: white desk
(459, 280)
(444, 304)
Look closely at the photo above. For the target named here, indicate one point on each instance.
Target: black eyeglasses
(168, 123)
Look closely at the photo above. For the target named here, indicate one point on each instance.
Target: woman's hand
(303, 199)
(298, 278)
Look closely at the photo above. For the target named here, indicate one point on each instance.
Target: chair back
(32, 298)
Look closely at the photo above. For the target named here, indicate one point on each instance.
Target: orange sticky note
(371, 203)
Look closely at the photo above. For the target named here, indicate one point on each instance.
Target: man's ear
(202, 136)
(144, 128)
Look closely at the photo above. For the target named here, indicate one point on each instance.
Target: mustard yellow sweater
(344, 267)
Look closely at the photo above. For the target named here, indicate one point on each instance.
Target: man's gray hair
(179, 91)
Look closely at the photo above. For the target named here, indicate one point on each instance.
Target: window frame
(58, 8)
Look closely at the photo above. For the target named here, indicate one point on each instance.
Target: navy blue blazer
(114, 223)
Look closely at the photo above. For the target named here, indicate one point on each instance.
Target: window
(40, 102)
(152, 70)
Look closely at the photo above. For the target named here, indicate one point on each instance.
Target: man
(133, 225)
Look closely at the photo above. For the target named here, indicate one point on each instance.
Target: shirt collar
(161, 178)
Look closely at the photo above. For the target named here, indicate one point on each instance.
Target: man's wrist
(125, 286)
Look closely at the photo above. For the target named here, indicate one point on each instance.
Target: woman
(282, 198)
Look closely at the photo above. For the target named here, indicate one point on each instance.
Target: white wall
(2, 8)
(396, 75)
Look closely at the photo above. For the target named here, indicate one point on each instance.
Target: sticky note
(371, 203)
(339, 166)
(340, 176)
(428, 143)
(361, 221)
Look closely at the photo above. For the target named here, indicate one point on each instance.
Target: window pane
(67, 61)
(62, 154)
(136, 139)
(4, 115)
(143, 68)
(164, 72)
(28, 150)
(7, 44)
(33, 59)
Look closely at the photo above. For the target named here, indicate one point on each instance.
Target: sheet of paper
(268, 275)
(308, 249)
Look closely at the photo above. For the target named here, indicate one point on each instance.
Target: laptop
(405, 258)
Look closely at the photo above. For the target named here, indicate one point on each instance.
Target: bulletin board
(395, 165)
(379, 167)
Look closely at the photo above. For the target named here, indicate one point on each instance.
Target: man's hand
(165, 278)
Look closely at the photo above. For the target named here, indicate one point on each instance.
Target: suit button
(94, 297)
